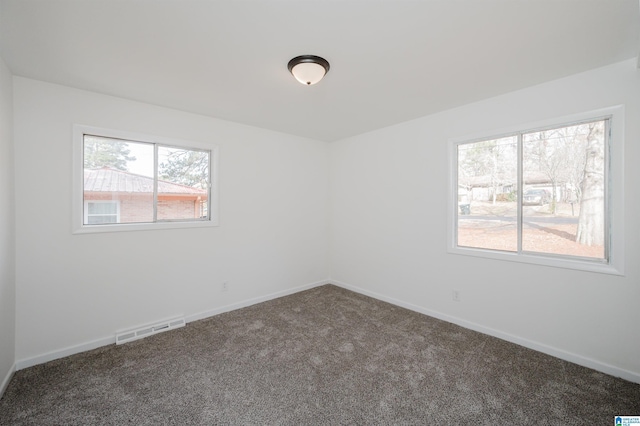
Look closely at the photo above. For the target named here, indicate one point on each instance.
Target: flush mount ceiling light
(308, 69)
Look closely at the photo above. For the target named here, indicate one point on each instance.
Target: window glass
(487, 181)
(122, 173)
(183, 183)
(561, 175)
(102, 212)
(564, 190)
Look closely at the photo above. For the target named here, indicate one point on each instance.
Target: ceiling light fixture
(308, 69)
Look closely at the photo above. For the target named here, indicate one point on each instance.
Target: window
(99, 212)
(130, 182)
(540, 196)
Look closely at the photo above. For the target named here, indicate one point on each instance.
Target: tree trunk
(591, 219)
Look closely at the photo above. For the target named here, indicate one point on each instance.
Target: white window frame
(614, 202)
(77, 210)
(86, 209)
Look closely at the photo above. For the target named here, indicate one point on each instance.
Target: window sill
(127, 227)
(576, 264)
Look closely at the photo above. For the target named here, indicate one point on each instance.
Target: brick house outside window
(134, 196)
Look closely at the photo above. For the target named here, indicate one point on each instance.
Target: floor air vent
(139, 333)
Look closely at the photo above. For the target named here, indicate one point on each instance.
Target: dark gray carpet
(322, 356)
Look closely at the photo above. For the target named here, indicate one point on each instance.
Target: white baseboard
(540, 347)
(104, 341)
(7, 379)
(255, 300)
(558, 353)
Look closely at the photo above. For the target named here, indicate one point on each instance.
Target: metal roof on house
(111, 180)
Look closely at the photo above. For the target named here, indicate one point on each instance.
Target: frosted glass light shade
(308, 69)
(308, 73)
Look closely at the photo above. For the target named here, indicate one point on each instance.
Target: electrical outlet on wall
(455, 295)
(225, 286)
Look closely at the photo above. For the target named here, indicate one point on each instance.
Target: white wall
(389, 234)
(7, 235)
(386, 207)
(73, 290)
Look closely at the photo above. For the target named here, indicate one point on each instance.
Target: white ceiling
(391, 60)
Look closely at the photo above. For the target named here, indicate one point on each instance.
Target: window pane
(487, 202)
(118, 170)
(102, 208)
(564, 191)
(183, 183)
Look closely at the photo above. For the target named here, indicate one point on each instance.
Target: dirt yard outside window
(493, 226)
